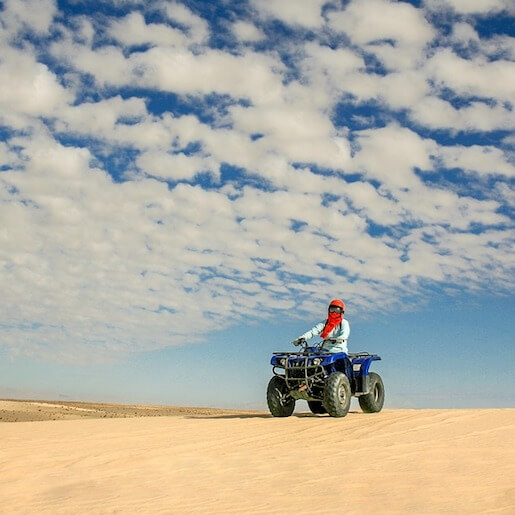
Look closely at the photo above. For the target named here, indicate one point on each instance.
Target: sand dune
(397, 461)
(29, 411)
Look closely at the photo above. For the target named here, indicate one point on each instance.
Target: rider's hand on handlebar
(299, 341)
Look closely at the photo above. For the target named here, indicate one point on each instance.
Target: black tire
(316, 407)
(337, 394)
(373, 402)
(278, 404)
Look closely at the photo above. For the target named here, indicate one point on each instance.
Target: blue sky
(185, 185)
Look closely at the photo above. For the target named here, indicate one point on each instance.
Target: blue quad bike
(326, 380)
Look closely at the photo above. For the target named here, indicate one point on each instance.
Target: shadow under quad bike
(326, 380)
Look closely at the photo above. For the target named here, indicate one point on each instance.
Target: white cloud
(197, 27)
(398, 90)
(282, 122)
(250, 75)
(436, 113)
(175, 166)
(506, 193)
(76, 225)
(435, 206)
(463, 33)
(36, 15)
(29, 87)
(484, 160)
(8, 158)
(396, 32)
(247, 76)
(306, 13)
(390, 155)
(499, 46)
(106, 64)
(509, 140)
(268, 218)
(368, 21)
(99, 119)
(465, 37)
(472, 77)
(452, 253)
(132, 30)
(322, 63)
(247, 32)
(375, 206)
(470, 6)
(84, 31)
(147, 134)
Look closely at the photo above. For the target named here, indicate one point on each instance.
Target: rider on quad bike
(334, 331)
(325, 375)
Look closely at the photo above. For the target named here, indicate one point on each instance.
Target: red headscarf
(333, 319)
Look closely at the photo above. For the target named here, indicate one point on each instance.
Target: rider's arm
(314, 331)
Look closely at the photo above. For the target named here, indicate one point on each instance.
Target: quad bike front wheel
(373, 401)
(279, 402)
(337, 394)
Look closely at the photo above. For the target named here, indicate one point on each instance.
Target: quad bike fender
(360, 370)
(338, 362)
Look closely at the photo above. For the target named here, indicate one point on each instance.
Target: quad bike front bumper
(303, 373)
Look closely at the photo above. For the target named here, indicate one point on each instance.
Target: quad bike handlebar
(302, 342)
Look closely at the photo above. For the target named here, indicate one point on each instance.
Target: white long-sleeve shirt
(336, 340)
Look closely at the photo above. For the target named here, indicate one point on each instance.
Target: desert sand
(192, 460)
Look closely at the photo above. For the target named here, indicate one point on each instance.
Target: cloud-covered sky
(169, 169)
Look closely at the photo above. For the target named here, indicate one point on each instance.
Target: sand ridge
(15, 410)
(397, 461)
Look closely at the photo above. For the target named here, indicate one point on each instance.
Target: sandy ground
(215, 461)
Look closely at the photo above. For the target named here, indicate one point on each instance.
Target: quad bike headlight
(317, 361)
(282, 362)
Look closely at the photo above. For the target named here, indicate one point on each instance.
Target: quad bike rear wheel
(279, 402)
(337, 394)
(373, 401)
